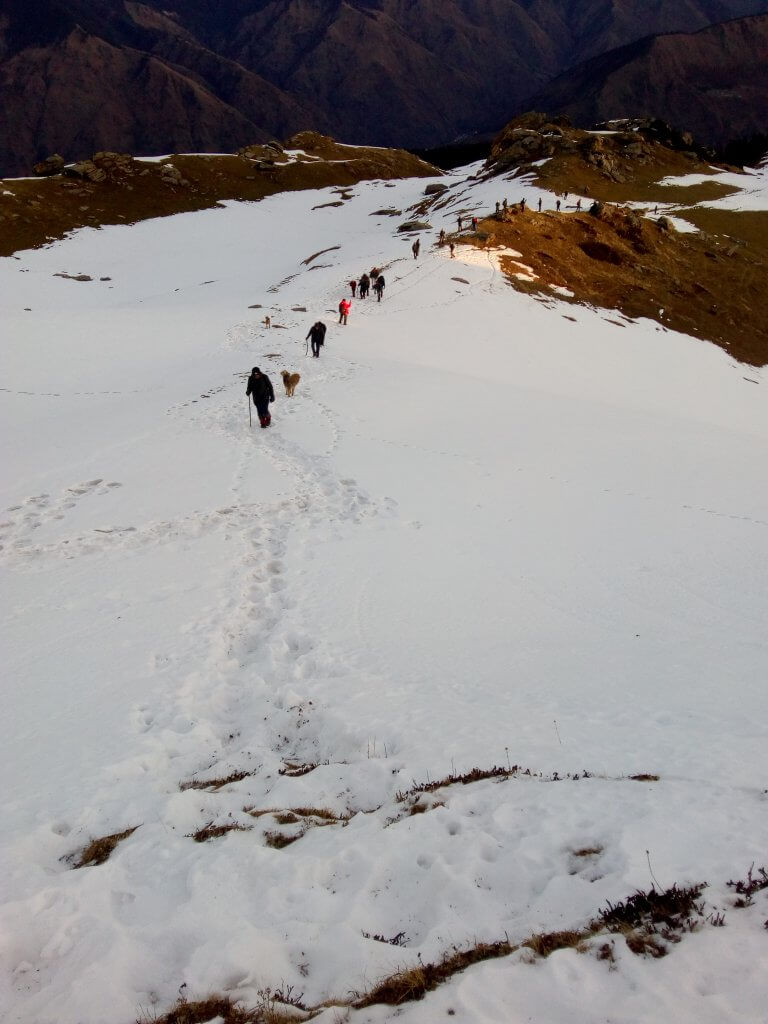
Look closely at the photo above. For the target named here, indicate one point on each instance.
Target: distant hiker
(578, 205)
(365, 286)
(452, 247)
(504, 203)
(558, 206)
(498, 207)
(267, 321)
(522, 205)
(261, 392)
(316, 337)
(539, 204)
(565, 196)
(374, 273)
(344, 307)
(353, 285)
(460, 219)
(655, 210)
(474, 223)
(379, 285)
(415, 249)
(441, 237)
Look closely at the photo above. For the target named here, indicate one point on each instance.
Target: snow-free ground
(487, 530)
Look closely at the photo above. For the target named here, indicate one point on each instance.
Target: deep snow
(485, 528)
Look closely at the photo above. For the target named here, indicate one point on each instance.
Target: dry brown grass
(40, 210)
(708, 284)
(545, 943)
(588, 851)
(202, 1011)
(214, 784)
(496, 772)
(319, 812)
(571, 173)
(279, 840)
(208, 832)
(294, 770)
(414, 982)
(420, 807)
(269, 1011)
(646, 921)
(307, 817)
(747, 226)
(100, 850)
(286, 818)
(644, 777)
(701, 285)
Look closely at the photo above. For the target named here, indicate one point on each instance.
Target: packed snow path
(486, 530)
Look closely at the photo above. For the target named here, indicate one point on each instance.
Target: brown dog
(290, 380)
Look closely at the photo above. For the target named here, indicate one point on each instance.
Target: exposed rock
(414, 225)
(435, 189)
(122, 163)
(615, 153)
(51, 165)
(86, 169)
(171, 175)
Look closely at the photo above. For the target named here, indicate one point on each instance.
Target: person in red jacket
(344, 307)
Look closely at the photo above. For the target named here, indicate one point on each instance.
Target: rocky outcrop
(614, 153)
(51, 165)
(115, 188)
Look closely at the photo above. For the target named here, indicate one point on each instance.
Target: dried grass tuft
(203, 835)
(100, 850)
(214, 784)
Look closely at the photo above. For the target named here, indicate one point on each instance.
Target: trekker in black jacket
(261, 391)
(317, 337)
(379, 285)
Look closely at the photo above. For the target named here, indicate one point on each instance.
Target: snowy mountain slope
(486, 531)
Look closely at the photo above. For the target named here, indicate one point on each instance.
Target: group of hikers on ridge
(363, 287)
(259, 388)
(259, 385)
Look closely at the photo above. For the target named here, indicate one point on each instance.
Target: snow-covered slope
(486, 531)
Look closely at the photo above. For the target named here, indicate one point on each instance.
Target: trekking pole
(250, 421)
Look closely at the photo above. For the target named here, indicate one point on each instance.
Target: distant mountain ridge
(82, 75)
(713, 83)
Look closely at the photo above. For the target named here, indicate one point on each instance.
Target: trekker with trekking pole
(317, 337)
(260, 390)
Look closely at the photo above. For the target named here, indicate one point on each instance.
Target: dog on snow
(290, 380)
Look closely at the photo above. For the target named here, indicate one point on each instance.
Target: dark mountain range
(713, 83)
(82, 75)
